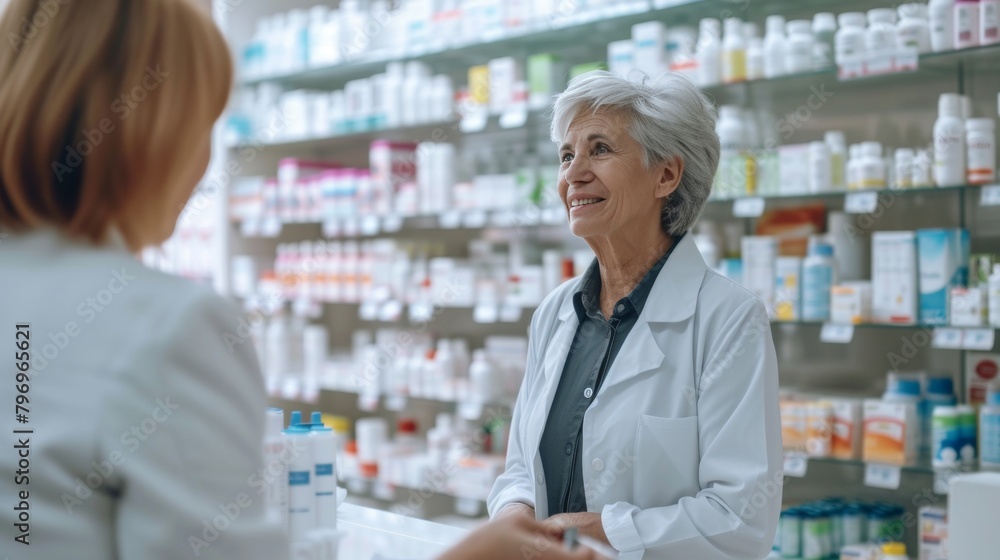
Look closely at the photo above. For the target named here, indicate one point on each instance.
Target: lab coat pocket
(667, 459)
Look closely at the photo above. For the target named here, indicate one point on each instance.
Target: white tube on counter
(301, 490)
(325, 456)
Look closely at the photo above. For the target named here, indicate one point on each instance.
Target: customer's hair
(102, 103)
(668, 116)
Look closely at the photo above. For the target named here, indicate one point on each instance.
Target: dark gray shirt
(595, 345)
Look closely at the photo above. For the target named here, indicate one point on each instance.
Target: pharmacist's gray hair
(669, 116)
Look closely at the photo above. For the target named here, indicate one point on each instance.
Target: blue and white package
(942, 264)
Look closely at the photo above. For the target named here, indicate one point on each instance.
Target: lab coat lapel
(673, 298)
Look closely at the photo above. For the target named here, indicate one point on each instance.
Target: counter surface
(369, 533)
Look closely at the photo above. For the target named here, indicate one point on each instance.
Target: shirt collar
(586, 300)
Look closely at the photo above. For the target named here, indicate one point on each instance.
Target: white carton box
(759, 256)
(972, 516)
(621, 57)
(933, 543)
(649, 42)
(894, 277)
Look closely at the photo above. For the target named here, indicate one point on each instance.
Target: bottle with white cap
(734, 52)
(942, 17)
(755, 58)
(922, 169)
(981, 145)
(850, 38)
(774, 46)
(819, 167)
(966, 23)
(838, 159)
(871, 168)
(853, 161)
(276, 479)
(709, 52)
(799, 46)
(989, 22)
(913, 30)
(949, 142)
(301, 490)
(824, 28)
(904, 168)
(880, 38)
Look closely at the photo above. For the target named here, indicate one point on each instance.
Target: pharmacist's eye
(602, 149)
(566, 158)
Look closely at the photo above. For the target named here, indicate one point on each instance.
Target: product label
(298, 478)
(324, 469)
(990, 452)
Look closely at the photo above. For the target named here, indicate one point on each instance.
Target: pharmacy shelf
(428, 131)
(397, 402)
(440, 131)
(613, 20)
(922, 468)
(530, 216)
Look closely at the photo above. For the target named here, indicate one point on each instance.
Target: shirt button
(588, 392)
(598, 465)
(621, 307)
(541, 479)
(569, 448)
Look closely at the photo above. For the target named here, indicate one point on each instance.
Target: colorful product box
(891, 434)
(943, 261)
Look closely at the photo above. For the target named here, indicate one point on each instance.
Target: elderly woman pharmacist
(648, 416)
(152, 352)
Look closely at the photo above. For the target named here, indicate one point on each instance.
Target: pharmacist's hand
(586, 523)
(514, 538)
(515, 510)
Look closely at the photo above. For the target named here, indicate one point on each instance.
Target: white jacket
(681, 447)
(147, 426)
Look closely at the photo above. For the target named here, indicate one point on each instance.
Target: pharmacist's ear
(670, 172)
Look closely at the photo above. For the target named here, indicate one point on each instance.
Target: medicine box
(933, 539)
(891, 432)
(943, 262)
(894, 277)
(847, 425)
(972, 516)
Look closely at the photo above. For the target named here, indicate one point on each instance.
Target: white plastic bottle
(819, 167)
(824, 29)
(913, 30)
(904, 168)
(989, 426)
(966, 23)
(980, 140)
(993, 296)
(819, 275)
(871, 167)
(755, 58)
(276, 493)
(325, 483)
(482, 379)
(853, 158)
(709, 53)
(734, 52)
(989, 22)
(949, 142)
(922, 169)
(838, 159)
(942, 17)
(850, 38)
(799, 46)
(301, 490)
(880, 39)
(732, 164)
(774, 46)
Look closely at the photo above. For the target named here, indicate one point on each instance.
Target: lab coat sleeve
(515, 484)
(735, 514)
(191, 477)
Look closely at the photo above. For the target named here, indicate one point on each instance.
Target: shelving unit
(897, 109)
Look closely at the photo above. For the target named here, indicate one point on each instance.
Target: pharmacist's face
(603, 182)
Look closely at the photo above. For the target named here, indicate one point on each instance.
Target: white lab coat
(147, 424)
(682, 445)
